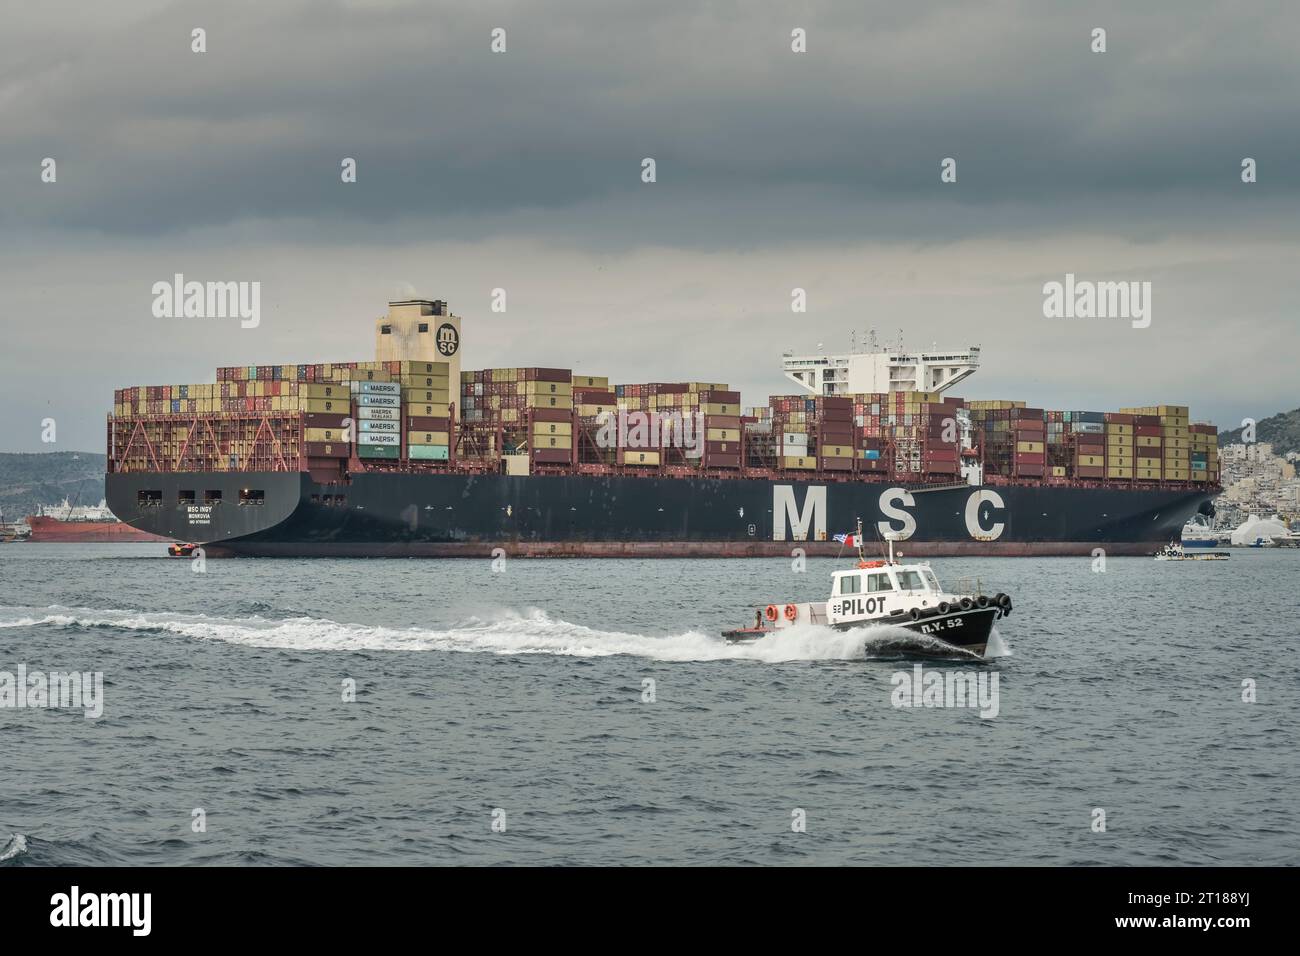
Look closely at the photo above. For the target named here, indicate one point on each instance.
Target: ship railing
(970, 585)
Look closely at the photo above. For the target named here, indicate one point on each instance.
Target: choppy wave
(15, 846)
(509, 633)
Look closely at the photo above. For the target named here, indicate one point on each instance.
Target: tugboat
(876, 593)
(178, 550)
(1173, 551)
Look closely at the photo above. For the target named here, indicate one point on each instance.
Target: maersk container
(370, 426)
(365, 412)
(379, 401)
(427, 452)
(378, 451)
(371, 438)
(376, 388)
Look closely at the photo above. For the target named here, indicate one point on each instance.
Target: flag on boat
(848, 540)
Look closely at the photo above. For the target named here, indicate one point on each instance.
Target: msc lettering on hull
(983, 514)
(785, 513)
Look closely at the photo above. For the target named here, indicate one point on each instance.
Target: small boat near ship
(887, 592)
(72, 523)
(1173, 551)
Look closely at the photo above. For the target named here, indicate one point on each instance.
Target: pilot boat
(887, 592)
(1173, 551)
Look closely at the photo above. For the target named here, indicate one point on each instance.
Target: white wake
(506, 633)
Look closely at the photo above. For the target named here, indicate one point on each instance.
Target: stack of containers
(937, 429)
(1148, 445)
(1058, 443)
(720, 417)
(1029, 432)
(835, 434)
(992, 422)
(1175, 431)
(378, 419)
(1088, 445)
(792, 420)
(1204, 457)
(427, 424)
(546, 400)
(325, 409)
(1119, 446)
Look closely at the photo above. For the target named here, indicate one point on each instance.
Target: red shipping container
(425, 423)
(721, 461)
(322, 420)
(1033, 471)
(835, 464)
(1089, 471)
(550, 456)
(552, 415)
(337, 449)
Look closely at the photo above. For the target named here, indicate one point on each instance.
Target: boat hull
(46, 530)
(450, 515)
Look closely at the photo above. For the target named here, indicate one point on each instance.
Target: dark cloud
(775, 169)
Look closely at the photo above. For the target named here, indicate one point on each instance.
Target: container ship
(82, 523)
(409, 455)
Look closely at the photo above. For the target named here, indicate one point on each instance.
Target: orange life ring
(871, 564)
(791, 612)
(770, 612)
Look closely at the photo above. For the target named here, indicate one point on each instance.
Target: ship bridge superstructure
(881, 369)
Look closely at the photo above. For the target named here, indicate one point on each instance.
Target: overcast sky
(522, 170)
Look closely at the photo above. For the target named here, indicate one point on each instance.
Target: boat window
(184, 497)
(910, 581)
(879, 582)
(931, 581)
(851, 584)
(212, 496)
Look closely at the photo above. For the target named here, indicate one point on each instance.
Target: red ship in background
(84, 523)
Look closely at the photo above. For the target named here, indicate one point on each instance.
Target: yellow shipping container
(835, 451)
(552, 428)
(1058, 471)
(1092, 461)
(590, 381)
(434, 396)
(1177, 474)
(1119, 461)
(1029, 447)
(1119, 472)
(544, 388)
(1149, 474)
(723, 434)
(809, 464)
(336, 406)
(321, 390)
(1118, 428)
(1200, 474)
(426, 411)
(717, 408)
(1149, 463)
(640, 457)
(589, 411)
(552, 441)
(427, 438)
(436, 369)
(1148, 441)
(322, 434)
(549, 401)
